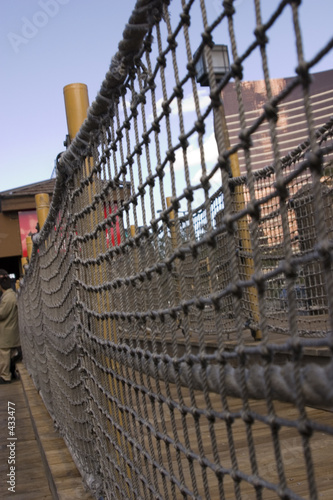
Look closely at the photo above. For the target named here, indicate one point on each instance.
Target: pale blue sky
(47, 44)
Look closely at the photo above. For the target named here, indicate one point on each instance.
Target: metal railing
(162, 288)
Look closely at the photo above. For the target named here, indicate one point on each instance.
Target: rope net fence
(176, 314)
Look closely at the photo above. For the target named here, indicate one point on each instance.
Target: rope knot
(191, 69)
(261, 36)
(303, 71)
(314, 159)
(207, 39)
(200, 126)
(185, 18)
(172, 43)
(246, 140)
(162, 61)
(183, 141)
(215, 99)
(170, 156)
(271, 111)
(237, 70)
(253, 209)
(236, 290)
(178, 91)
(229, 9)
(166, 108)
(281, 189)
(204, 179)
(188, 193)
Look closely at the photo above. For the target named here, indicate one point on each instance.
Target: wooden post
(172, 224)
(24, 262)
(136, 259)
(243, 228)
(29, 249)
(77, 103)
(173, 234)
(42, 201)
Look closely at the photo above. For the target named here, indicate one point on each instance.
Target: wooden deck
(30, 478)
(290, 441)
(44, 469)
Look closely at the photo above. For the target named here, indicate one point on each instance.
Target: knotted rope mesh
(176, 313)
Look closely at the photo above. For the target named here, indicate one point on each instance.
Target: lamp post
(219, 59)
(221, 65)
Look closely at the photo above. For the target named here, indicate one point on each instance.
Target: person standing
(9, 329)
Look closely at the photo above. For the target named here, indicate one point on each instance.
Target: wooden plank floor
(199, 432)
(44, 467)
(30, 477)
(64, 479)
(65, 482)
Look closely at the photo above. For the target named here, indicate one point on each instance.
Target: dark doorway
(11, 265)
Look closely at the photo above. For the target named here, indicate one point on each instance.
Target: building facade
(18, 218)
(291, 125)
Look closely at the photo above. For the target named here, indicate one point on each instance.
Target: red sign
(114, 230)
(27, 222)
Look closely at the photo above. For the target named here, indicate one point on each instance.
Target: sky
(47, 44)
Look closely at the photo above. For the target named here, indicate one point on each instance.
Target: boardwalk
(33, 475)
(290, 440)
(30, 477)
(44, 467)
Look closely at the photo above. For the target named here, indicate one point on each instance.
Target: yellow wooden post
(173, 234)
(24, 262)
(29, 249)
(172, 225)
(42, 201)
(136, 258)
(76, 104)
(243, 228)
